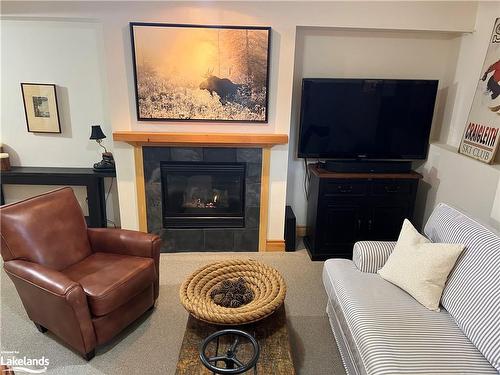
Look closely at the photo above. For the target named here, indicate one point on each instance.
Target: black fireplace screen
(201, 194)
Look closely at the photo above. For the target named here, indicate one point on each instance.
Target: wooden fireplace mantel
(260, 140)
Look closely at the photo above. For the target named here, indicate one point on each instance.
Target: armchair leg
(40, 328)
(88, 356)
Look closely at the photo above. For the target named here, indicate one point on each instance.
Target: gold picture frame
(40, 107)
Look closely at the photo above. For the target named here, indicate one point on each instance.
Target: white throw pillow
(420, 267)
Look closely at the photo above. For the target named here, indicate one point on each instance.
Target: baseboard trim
(301, 230)
(275, 245)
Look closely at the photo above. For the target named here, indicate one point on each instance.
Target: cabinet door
(341, 227)
(386, 220)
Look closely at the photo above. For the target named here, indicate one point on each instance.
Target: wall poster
(481, 136)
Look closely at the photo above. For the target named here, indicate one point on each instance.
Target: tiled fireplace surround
(203, 239)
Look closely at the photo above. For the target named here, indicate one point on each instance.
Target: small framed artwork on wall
(40, 107)
(201, 72)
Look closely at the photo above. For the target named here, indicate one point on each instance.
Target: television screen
(366, 118)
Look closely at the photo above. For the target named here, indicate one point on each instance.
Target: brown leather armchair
(83, 284)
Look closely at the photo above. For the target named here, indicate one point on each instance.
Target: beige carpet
(151, 345)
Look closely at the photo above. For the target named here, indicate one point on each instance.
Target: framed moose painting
(201, 73)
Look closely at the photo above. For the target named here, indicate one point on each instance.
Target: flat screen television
(377, 119)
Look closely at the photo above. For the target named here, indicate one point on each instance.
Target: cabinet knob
(391, 189)
(345, 189)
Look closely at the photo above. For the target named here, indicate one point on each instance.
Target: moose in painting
(223, 87)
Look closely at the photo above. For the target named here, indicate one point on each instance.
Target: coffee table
(271, 333)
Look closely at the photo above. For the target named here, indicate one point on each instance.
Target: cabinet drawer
(336, 188)
(389, 188)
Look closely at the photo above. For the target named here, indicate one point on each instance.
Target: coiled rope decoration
(267, 284)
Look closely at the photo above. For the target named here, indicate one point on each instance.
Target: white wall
(460, 181)
(68, 54)
(282, 17)
(327, 53)
(448, 176)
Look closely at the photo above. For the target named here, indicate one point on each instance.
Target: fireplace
(181, 184)
(203, 194)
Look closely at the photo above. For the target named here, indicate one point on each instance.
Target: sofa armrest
(54, 301)
(127, 242)
(370, 256)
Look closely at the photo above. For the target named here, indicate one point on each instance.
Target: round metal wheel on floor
(232, 364)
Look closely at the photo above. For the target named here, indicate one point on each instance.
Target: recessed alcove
(330, 52)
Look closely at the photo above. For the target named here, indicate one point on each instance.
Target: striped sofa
(380, 329)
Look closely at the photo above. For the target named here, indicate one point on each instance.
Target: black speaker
(290, 229)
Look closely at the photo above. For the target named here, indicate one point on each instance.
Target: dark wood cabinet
(347, 207)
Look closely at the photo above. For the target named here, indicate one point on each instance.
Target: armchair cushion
(370, 256)
(110, 280)
(127, 242)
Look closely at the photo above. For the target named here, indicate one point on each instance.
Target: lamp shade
(97, 132)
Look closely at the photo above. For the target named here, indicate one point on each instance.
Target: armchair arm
(127, 242)
(370, 256)
(42, 277)
(122, 241)
(54, 301)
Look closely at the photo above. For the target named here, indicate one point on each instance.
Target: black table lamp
(107, 163)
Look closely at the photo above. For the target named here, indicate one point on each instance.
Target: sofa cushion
(472, 293)
(419, 266)
(110, 280)
(390, 333)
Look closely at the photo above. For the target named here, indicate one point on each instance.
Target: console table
(93, 181)
(347, 207)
